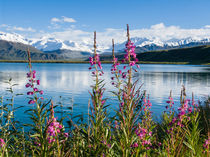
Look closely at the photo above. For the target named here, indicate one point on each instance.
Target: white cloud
(54, 19)
(170, 32)
(62, 20)
(15, 28)
(207, 26)
(3, 25)
(29, 29)
(104, 38)
(158, 26)
(67, 19)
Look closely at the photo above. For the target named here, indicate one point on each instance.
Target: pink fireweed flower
(91, 60)
(103, 101)
(28, 85)
(30, 93)
(132, 63)
(2, 143)
(141, 132)
(41, 92)
(99, 64)
(34, 75)
(146, 142)
(29, 75)
(190, 109)
(206, 143)
(135, 145)
(38, 82)
(66, 135)
(31, 102)
(123, 75)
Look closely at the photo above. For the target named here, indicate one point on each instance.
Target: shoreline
(104, 62)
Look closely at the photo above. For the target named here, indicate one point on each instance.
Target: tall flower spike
(29, 58)
(113, 48)
(31, 75)
(128, 34)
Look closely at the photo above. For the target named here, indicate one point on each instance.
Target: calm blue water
(72, 82)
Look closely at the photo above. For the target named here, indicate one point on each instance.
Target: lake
(69, 83)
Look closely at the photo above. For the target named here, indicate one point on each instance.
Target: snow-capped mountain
(13, 37)
(157, 44)
(52, 44)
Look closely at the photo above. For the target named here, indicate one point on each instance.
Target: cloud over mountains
(61, 29)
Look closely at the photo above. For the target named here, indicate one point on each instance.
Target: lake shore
(86, 62)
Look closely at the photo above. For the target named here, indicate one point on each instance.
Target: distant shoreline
(86, 62)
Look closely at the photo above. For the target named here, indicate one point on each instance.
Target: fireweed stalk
(38, 113)
(45, 132)
(116, 79)
(129, 97)
(97, 130)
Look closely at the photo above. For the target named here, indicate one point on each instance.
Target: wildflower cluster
(145, 128)
(130, 53)
(53, 130)
(182, 117)
(144, 136)
(54, 127)
(206, 145)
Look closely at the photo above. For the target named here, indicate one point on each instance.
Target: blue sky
(35, 17)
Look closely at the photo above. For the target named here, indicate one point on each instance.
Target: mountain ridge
(146, 44)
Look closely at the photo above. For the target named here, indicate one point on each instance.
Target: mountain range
(13, 47)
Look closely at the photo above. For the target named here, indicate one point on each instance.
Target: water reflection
(74, 80)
